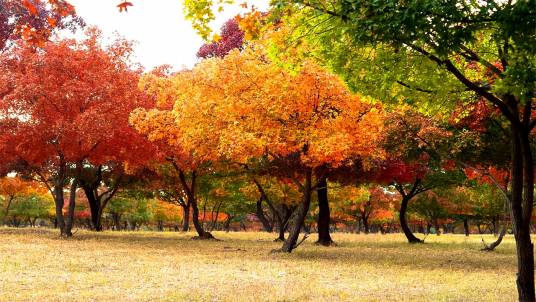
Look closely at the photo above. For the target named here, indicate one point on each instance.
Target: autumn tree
(34, 21)
(243, 107)
(231, 37)
(67, 106)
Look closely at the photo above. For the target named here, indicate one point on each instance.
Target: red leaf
(123, 6)
(30, 7)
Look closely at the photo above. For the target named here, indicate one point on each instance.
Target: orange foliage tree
(243, 107)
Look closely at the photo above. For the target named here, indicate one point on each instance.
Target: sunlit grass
(36, 265)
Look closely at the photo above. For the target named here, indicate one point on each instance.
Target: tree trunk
(227, 224)
(521, 204)
(466, 226)
(497, 242)
(70, 214)
(59, 200)
(364, 219)
(324, 237)
(94, 207)
(186, 218)
(191, 199)
(197, 225)
(262, 218)
(403, 223)
(299, 218)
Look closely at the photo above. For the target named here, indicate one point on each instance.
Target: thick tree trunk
(466, 226)
(324, 237)
(403, 223)
(299, 218)
(521, 204)
(186, 218)
(94, 207)
(262, 218)
(364, 219)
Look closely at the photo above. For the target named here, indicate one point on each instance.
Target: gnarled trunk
(324, 238)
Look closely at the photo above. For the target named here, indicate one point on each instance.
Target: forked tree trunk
(191, 199)
(299, 218)
(324, 237)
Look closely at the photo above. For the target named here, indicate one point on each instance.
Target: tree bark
(466, 226)
(94, 207)
(521, 204)
(364, 219)
(403, 223)
(186, 218)
(262, 218)
(324, 238)
(299, 218)
(59, 201)
(190, 194)
(497, 242)
(97, 202)
(70, 214)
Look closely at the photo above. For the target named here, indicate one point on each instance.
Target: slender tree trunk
(299, 218)
(497, 242)
(191, 199)
(227, 224)
(324, 238)
(403, 223)
(59, 201)
(262, 218)
(466, 226)
(117, 221)
(186, 218)
(72, 203)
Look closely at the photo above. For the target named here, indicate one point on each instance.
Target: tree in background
(67, 106)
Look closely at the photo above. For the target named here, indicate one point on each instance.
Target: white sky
(163, 36)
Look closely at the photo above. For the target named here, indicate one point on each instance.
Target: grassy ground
(35, 265)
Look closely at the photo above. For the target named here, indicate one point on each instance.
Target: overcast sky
(163, 36)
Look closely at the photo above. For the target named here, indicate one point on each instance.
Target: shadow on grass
(463, 256)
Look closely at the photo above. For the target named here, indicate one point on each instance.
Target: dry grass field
(36, 265)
